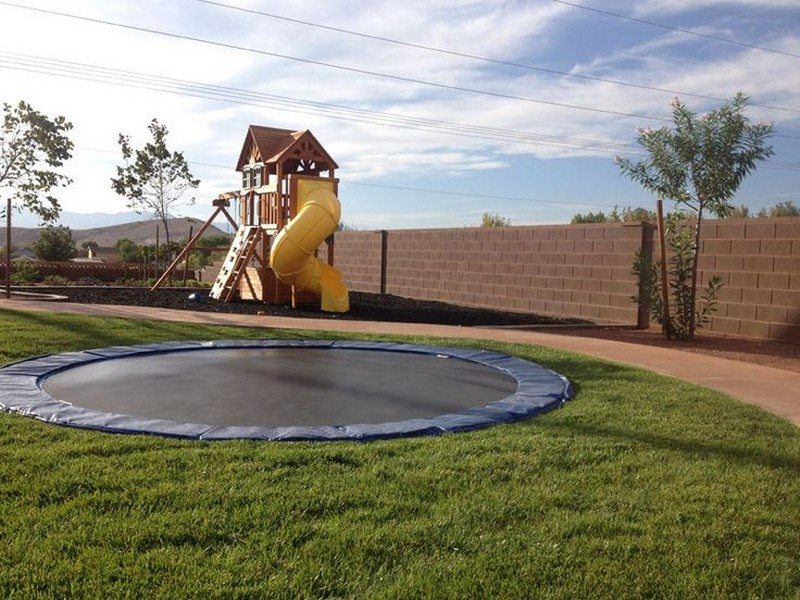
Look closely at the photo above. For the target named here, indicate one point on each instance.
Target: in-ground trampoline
(280, 390)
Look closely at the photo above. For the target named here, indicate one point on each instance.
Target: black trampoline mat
(281, 386)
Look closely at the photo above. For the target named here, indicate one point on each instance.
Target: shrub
(56, 280)
(26, 274)
(93, 281)
(679, 230)
(494, 220)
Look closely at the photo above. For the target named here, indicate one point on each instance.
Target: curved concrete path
(775, 390)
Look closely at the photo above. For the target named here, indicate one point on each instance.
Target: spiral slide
(292, 254)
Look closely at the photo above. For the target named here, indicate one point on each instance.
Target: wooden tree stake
(665, 328)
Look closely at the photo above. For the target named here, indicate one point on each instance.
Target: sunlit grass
(643, 486)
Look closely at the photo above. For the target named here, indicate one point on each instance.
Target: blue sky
(541, 183)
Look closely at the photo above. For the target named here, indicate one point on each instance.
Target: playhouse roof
(272, 144)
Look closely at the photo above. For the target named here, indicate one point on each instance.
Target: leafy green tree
(700, 163)
(153, 179)
(494, 220)
(633, 214)
(781, 209)
(738, 212)
(32, 148)
(589, 217)
(629, 214)
(55, 243)
(127, 250)
(202, 257)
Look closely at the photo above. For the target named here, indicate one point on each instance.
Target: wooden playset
(287, 209)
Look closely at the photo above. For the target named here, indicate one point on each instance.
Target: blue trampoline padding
(538, 390)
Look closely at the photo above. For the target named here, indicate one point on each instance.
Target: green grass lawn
(643, 486)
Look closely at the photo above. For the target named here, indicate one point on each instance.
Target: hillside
(141, 232)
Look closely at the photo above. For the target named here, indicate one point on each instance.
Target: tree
(153, 179)
(55, 243)
(90, 246)
(781, 209)
(634, 214)
(700, 163)
(32, 147)
(494, 220)
(203, 256)
(589, 217)
(629, 214)
(738, 212)
(127, 250)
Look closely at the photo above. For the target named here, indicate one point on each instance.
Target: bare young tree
(153, 179)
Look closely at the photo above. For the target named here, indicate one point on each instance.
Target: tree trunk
(8, 248)
(695, 262)
(166, 237)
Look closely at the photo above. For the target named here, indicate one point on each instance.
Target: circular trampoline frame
(538, 390)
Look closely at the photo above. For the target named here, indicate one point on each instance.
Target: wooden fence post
(8, 248)
(384, 259)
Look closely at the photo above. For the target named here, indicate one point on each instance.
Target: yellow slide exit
(292, 253)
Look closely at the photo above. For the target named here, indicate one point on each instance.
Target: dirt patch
(780, 355)
(374, 307)
(363, 307)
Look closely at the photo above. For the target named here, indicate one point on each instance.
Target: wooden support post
(155, 262)
(227, 216)
(188, 247)
(186, 263)
(384, 259)
(331, 243)
(664, 284)
(8, 248)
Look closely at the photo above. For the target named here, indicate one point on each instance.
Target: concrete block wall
(582, 271)
(357, 254)
(759, 262)
(568, 271)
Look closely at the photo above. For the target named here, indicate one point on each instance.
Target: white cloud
(212, 132)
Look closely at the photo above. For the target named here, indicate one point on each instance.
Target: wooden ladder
(239, 256)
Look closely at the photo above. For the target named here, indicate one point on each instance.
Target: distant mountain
(141, 232)
(75, 220)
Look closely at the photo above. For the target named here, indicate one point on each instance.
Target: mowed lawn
(642, 486)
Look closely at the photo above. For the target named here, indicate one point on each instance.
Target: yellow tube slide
(292, 254)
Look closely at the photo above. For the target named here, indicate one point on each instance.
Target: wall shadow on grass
(696, 449)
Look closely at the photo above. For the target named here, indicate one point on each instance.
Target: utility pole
(8, 248)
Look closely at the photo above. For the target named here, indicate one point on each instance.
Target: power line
(470, 195)
(340, 67)
(138, 80)
(356, 70)
(673, 28)
(403, 188)
(157, 83)
(772, 166)
(727, 12)
(486, 59)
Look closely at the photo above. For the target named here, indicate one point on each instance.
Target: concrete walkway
(775, 390)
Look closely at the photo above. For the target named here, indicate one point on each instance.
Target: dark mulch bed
(363, 306)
